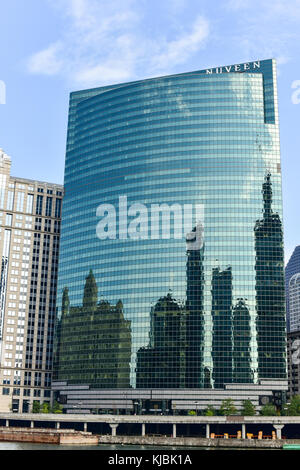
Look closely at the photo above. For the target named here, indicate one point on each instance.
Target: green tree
(248, 408)
(57, 408)
(45, 408)
(36, 407)
(228, 408)
(192, 413)
(269, 410)
(293, 408)
(210, 411)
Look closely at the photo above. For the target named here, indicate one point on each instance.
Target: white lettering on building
(235, 68)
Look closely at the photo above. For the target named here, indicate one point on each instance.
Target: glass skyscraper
(171, 271)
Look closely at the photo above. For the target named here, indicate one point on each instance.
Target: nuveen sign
(247, 66)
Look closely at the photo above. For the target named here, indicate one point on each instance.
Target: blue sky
(51, 47)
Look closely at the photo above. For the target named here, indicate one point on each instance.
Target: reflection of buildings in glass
(242, 372)
(270, 298)
(222, 326)
(93, 341)
(293, 351)
(163, 363)
(292, 267)
(294, 302)
(195, 376)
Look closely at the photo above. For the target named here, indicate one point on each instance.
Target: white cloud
(266, 28)
(179, 50)
(108, 42)
(46, 61)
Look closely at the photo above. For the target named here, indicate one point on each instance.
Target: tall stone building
(30, 214)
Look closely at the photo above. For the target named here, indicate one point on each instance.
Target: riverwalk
(165, 425)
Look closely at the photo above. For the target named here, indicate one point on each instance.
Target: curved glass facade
(171, 262)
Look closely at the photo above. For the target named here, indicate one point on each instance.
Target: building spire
(267, 195)
(90, 296)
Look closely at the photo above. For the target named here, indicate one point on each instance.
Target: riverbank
(48, 436)
(80, 438)
(198, 442)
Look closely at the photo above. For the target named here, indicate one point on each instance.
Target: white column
(207, 431)
(243, 431)
(143, 429)
(174, 430)
(114, 429)
(32, 424)
(57, 425)
(85, 427)
(278, 428)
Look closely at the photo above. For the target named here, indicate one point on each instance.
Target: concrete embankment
(72, 437)
(197, 442)
(48, 436)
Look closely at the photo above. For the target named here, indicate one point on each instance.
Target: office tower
(292, 267)
(29, 242)
(152, 166)
(294, 302)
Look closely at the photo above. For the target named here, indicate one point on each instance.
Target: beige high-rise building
(30, 215)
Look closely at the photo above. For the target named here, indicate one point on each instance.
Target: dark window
(39, 205)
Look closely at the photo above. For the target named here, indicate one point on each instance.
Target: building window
(10, 200)
(39, 205)
(47, 225)
(38, 379)
(29, 207)
(48, 207)
(56, 226)
(8, 220)
(58, 208)
(20, 202)
(27, 378)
